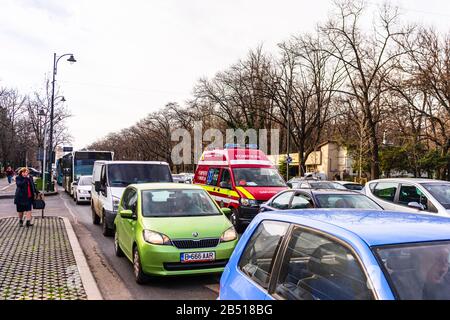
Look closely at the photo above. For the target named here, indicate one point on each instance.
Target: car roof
(373, 227)
(328, 191)
(409, 180)
(135, 162)
(166, 185)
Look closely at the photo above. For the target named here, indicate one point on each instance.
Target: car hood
(87, 188)
(183, 227)
(117, 192)
(260, 193)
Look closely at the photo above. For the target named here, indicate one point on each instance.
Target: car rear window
(386, 191)
(259, 255)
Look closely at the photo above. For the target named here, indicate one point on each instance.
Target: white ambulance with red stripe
(240, 178)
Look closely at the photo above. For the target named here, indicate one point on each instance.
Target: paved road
(115, 275)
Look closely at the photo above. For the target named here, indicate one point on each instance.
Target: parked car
(411, 195)
(316, 184)
(172, 229)
(340, 255)
(82, 189)
(183, 177)
(323, 198)
(351, 185)
(110, 178)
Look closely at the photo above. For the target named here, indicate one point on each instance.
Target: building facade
(330, 159)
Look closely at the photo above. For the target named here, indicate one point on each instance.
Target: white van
(109, 180)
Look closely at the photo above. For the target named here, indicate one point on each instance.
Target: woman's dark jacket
(21, 196)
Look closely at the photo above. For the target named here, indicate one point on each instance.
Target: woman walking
(9, 174)
(25, 192)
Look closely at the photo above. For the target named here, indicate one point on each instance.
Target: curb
(89, 283)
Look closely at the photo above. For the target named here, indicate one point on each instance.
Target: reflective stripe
(260, 162)
(225, 192)
(247, 194)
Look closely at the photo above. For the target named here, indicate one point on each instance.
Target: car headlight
(229, 235)
(154, 237)
(116, 202)
(249, 203)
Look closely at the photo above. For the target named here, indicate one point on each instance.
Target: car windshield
(85, 181)
(177, 203)
(440, 191)
(258, 177)
(121, 175)
(349, 201)
(418, 271)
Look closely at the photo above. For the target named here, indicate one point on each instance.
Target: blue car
(340, 255)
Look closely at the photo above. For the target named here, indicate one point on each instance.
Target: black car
(323, 198)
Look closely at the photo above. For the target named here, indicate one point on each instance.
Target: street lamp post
(55, 69)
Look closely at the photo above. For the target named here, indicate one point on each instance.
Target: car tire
(107, 232)
(234, 218)
(139, 275)
(95, 217)
(117, 250)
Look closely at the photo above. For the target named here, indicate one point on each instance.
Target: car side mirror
(97, 186)
(416, 205)
(226, 212)
(289, 184)
(75, 183)
(224, 185)
(126, 214)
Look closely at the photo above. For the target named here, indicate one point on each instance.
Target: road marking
(75, 219)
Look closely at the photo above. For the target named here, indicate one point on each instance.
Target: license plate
(197, 257)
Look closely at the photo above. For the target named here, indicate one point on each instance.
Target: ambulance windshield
(258, 177)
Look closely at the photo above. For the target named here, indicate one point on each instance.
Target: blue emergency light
(241, 146)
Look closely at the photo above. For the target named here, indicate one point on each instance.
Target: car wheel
(117, 249)
(95, 217)
(107, 232)
(139, 275)
(234, 218)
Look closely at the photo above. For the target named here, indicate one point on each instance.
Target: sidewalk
(43, 262)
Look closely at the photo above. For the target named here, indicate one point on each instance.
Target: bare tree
(368, 60)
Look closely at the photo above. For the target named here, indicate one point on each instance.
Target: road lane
(186, 288)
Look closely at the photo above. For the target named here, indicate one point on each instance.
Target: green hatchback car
(172, 229)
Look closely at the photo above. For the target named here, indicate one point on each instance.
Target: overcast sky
(135, 56)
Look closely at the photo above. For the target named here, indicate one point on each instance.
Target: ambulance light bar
(241, 146)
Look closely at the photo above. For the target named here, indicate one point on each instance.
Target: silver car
(411, 195)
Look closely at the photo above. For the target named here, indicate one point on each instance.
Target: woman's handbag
(39, 204)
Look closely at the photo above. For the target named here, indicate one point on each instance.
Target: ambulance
(239, 177)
